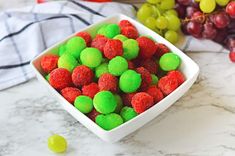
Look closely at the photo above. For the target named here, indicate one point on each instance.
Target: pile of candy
(113, 77)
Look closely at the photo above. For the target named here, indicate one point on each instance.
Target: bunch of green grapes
(160, 16)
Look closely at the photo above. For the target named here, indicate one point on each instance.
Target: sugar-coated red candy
(99, 42)
(127, 97)
(178, 75)
(70, 93)
(86, 36)
(156, 93)
(49, 63)
(108, 82)
(167, 84)
(145, 76)
(130, 32)
(147, 47)
(90, 89)
(125, 23)
(92, 115)
(161, 49)
(150, 65)
(82, 75)
(141, 102)
(60, 78)
(131, 65)
(113, 48)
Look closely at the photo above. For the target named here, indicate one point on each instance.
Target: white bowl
(189, 68)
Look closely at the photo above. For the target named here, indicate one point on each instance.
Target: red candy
(126, 98)
(177, 75)
(86, 36)
(150, 65)
(60, 78)
(161, 50)
(113, 48)
(108, 82)
(49, 63)
(90, 90)
(146, 78)
(99, 42)
(70, 93)
(125, 23)
(232, 56)
(147, 47)
(167, 84)
(82, 75)
(141, 102)
(92, 115)
(131, 65)
(130, 32)
(155, 93)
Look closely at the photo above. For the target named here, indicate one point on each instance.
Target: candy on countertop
(57, 143)
(67, 61)
(70, 93)
(113, 48)
(84, 104)
(128, 113)
(82, 75)
(75, 45)
(117, 65)
(105, 102)
(169, 61)
(109, 121)
(108, 82)
(141, 102)
(90, 89)
(60, 78)
(130, 81)
(49, 63)
(131, 49)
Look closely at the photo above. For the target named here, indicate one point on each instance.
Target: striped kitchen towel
(28, 31)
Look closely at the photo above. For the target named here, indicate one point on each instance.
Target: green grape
(57, 143)
(171, 36)
(150, 22)
(158, 31)
(207, 6)
(161, 22)
(145, 11)
(155, 11)
(171, 12)
(153, 1)
(222, 2)
(167, 4)
(173, 22)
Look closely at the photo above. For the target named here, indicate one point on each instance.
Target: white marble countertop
(201, 123)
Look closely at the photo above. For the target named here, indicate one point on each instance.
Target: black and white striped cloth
(26, 32)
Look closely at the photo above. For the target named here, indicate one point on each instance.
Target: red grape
(230, 9)
(221, 35)
(184, 2)
(221, 20)
(231, 43)
(209, 31)
(190, 10)
(232, 56)
(194, 28)
(199, 17)
(180, 10)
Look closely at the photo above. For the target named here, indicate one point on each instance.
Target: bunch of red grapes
(201, 20)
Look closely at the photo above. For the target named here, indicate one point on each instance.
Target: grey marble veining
(201, 123)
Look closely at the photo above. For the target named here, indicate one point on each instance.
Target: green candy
(109, 30)
(84, 104)
(68, 62)
(169, 61)
(75, 45)
(128, 113)
(109, 121)
(101, 69)
(62, 49)
(131, 49)
(117, 65)
(154, 79)
(105, 102)
(119, 103)
(47, 77)
(101, 30)
(120, 37)
(91, 57)
(130, 81)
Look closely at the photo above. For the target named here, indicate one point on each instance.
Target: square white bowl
(189, 68)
